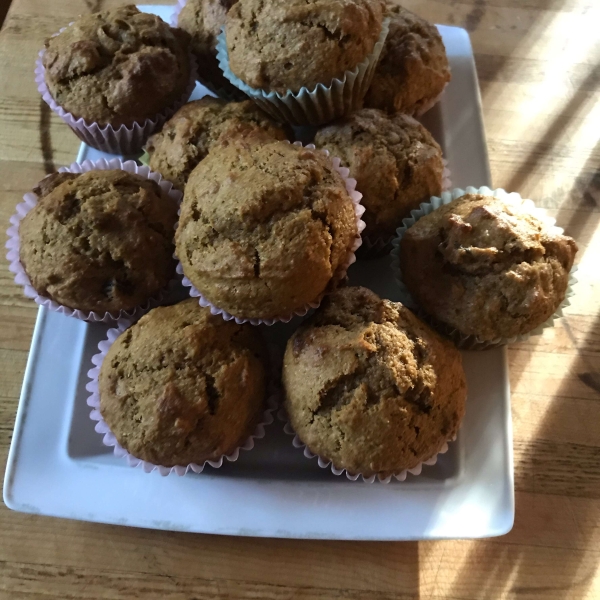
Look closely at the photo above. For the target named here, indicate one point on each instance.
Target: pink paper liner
(376, 246)
(300, 312)
(30, 200)
(110, 440)
(325, 463)
(126, 139)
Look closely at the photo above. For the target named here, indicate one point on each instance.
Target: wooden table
(539, 69)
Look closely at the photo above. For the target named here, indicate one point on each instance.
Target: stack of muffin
(267, 229)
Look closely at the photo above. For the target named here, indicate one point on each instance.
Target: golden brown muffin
(117, 66)
(265, 229)
(370, 387)
(413, 69)
(192, 131)
(396, 163)
(287, 44)
(182, 386)
(100, 241)
(203, 20)
(486, 267)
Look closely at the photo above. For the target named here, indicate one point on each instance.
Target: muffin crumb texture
(117, 66)
(265, 229)
(396, 163)
(413, 69)
(99, 241)
(195, 128)
(284, 45)
(182, 386)
(486, 266)
(370, 387)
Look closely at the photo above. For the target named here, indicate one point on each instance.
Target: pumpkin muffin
(396, 163)
(413, 68)
(193, 130)
(265, 228)
(287, 44)
(99, 241)
(117, 66)
(370, 387)
(202, 20)
(486, 266)
(182, 386)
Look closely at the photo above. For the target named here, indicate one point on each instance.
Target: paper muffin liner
(462, 341)
(110, 440)
(30, 200)
(312, 107)
(326, 463)
(377, 246)
(359, 210)
(126, 139)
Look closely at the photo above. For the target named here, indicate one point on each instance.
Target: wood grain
(539, 68)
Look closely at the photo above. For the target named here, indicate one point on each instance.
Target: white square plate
(58, 465)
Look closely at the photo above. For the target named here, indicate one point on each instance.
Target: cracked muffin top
(203, 20)
(117, 66)
(183, 386)
(396, 163)
(265, 229)
(99, 241)
(486, 266)
(413, 69)
(281, 45)
(370, 387)
(192, 131)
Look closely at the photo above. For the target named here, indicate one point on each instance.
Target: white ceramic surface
(58, 465)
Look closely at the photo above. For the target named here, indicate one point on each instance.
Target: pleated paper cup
(320, 105)
(325, 463)
(338, 276)
(29, 202)
(462, 341)
(125, 140)
(375, 246)
(110, 440)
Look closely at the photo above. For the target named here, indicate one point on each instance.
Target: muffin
(370, 387)
(182, 386)
(289, 44)
(188, 136)
(486, 266)
(396, 163)
(413, 69)
(265, 229)
(202, 20)
(100, 241)
(117, 67)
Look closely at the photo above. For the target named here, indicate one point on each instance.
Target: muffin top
(413, 68)
(183, 386)
(284, 45)
(203, 20)
(370, 387)
(265, 229)
(396, 163)
(99, 241)
(486, 266)
(188, 136)
(117, 66)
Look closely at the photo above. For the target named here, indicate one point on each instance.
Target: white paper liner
(325, 463)
(30, 200)
(312, 107)
(375, 246)
(110, 440)
(126, 139)
(359, 210)
(471, 342)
